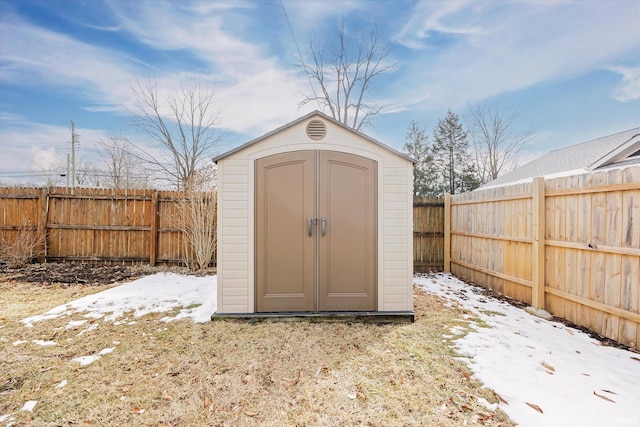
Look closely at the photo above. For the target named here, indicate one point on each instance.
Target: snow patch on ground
(44, 343)
(29, 406)
(87, 360)
(570, 376)
(157, 293)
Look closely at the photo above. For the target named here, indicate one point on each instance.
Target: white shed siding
(233, 245)
(397, 248)
(236, 216)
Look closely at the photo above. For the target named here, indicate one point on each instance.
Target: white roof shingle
(576, 158)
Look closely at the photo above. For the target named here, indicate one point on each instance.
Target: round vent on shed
(316, 129)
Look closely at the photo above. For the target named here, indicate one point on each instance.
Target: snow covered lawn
(118, 354)
(548, 374)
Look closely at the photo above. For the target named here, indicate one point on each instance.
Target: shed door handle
(309, 222)
(323, 226)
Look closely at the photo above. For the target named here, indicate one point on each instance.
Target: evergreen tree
(417, 146)
(452, 157)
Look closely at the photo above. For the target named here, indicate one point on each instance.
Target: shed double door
(315, 232)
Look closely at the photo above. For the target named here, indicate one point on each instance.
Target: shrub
(27, 245)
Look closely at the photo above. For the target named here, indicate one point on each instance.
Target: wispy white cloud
(430, 17)
(310, 16)
(255, 91)
(629, 88)
(510, 46)
(248, 81)
(47, 145)
(35, 56)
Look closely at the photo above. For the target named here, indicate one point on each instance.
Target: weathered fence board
(97, 224)
(428, 234)
(582, 263)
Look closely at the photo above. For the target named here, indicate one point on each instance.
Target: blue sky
(572, 68)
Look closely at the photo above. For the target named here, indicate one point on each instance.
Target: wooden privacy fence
(570, 245)
(428, 234)
(130, 226)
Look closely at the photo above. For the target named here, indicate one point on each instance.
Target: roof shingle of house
(579, 158)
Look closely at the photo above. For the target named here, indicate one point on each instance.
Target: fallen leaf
(166, 395)
(578, 352)
(501, 399)
(362, 396)
(207, 401)
(549, 367)
(467, 407)
(534, 406)
(635, 358)
(250, 413)
(609, 391)
(604, 397)
(137, 410)
(289, 383)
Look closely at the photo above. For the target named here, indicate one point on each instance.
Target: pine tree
(452, 157)
(424, 174)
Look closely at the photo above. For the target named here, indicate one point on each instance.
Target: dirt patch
(73, 273)
(148, 372)
(83, 273)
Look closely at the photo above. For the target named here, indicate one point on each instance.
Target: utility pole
(73, 158)
(68, 168)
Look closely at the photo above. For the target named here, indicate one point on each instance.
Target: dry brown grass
(228, 373)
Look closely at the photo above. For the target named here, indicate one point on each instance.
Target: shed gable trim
(302, 119)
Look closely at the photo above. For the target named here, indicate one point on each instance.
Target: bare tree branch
(184, 123)
(122, 166)
(496, 138)
(347, 77)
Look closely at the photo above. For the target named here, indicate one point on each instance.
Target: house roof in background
(302, 119)
(578, 158)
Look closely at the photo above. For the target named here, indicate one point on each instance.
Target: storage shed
(314, 218)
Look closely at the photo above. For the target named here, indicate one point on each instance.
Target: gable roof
(578, 158)
(302, 119)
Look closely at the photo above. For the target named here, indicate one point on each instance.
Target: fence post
(153, 239)
(447, 233)
(538, 211)
(43, 206)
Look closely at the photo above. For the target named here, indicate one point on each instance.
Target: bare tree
(183, 123)
(343, 75)
(86, 173)
(122, 168)
(496, 137)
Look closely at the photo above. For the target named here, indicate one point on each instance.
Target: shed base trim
(330, 316)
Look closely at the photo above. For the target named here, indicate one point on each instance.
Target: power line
(286, 17)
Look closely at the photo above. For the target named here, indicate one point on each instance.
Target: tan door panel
(285, 254)
(347, 248)
(315, 232)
